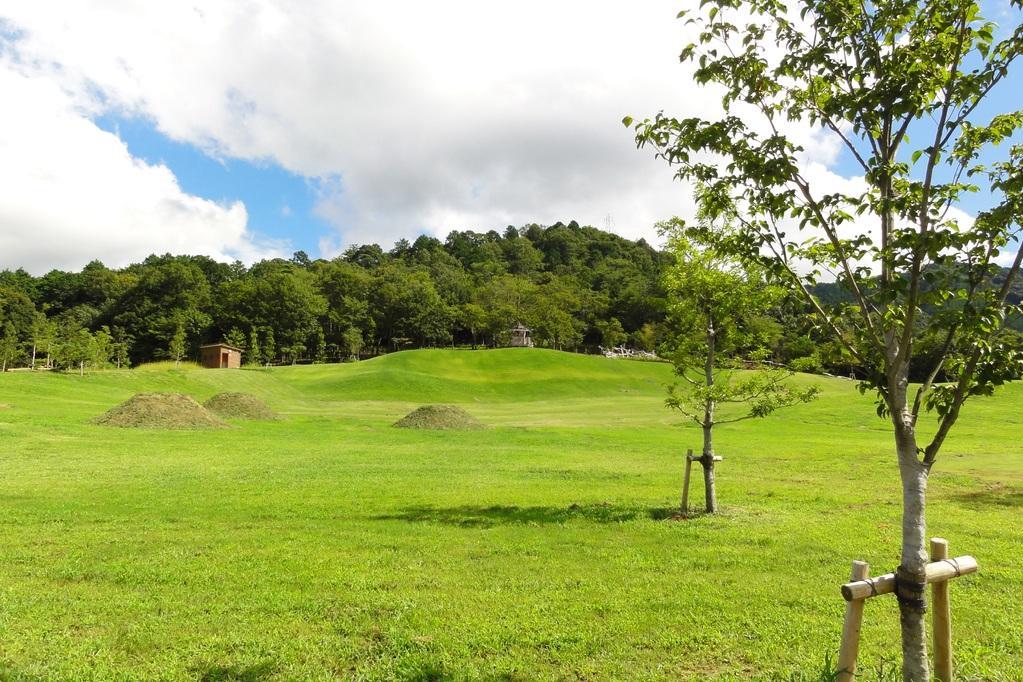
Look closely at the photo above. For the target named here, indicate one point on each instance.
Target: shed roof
(221, 345)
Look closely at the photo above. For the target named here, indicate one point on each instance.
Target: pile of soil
(439, 417)
(239, 406)
(160, 411)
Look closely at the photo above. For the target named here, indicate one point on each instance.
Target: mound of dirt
(239, 406)
(160, 411)
(438, 417)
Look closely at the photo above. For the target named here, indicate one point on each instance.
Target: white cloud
(429, 116)
(72, 192)
(412, 116)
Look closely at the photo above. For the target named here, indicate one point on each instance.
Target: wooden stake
(936, 571)
(685, 484)
(942, 618)
(851, 628)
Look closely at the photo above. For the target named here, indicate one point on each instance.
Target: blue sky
(280, 204)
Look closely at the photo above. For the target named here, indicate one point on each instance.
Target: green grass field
(329, 545)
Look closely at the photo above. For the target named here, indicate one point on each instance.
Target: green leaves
(868, 74)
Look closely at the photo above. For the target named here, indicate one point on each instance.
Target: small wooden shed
(220, 356)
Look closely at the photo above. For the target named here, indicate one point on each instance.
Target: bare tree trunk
(707, 460)
(911, 574)
(33, 355)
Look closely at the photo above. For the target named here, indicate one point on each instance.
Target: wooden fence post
(942, 618)
(685, 484)
(851, 628)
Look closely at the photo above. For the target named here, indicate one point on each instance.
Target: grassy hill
(330, 545)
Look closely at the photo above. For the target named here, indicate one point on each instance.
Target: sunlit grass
(330, 545)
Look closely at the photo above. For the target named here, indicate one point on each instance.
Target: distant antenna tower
(609, 223)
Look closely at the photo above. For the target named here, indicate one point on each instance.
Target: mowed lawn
(329, 545)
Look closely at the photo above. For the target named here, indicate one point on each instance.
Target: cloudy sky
(250, 128)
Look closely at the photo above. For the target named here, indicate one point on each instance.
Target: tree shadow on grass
(474, 516)
(235, 673)
(997, 495)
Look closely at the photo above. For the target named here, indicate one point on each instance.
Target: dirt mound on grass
(439, 417)
(160, 411)
(239, 406)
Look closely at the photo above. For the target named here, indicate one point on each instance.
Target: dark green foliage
(575, 286)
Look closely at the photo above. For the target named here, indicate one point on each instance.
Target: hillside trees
(872, 75)
(11, 350)
(168, 292)
(567, 282)
(345, 287)
(17, 317)
(407, 308)
(280, 302)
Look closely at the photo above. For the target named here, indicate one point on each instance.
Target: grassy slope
(331, 545)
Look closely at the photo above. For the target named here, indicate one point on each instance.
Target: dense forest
(575, 287)
(578, 288)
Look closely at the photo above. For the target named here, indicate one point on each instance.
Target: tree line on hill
(577, 288)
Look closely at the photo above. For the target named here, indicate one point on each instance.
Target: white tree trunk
(707, 460)
(914, 561)
(911, 586)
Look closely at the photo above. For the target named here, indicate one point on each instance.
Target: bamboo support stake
(851, 628)
(942, 618)
(685, 484)
(885, 584)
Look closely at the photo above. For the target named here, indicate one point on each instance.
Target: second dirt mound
(239, 406)
(439, 417)
(160, 411)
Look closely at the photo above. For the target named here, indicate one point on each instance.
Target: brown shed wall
(216, 357)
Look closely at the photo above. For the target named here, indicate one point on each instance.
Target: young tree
(177, 345)
(611, 333)
(352, 342)
(235, 337)
(11, 351)
(645, 338)
(714, 303)
(43, 333)
(121, 347)
(76, 348)
(102, 348)
(472, 318)
(870, 74)
(255, 354)
(269, 346)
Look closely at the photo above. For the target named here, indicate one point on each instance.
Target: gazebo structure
(220, 356)
(520, 337)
